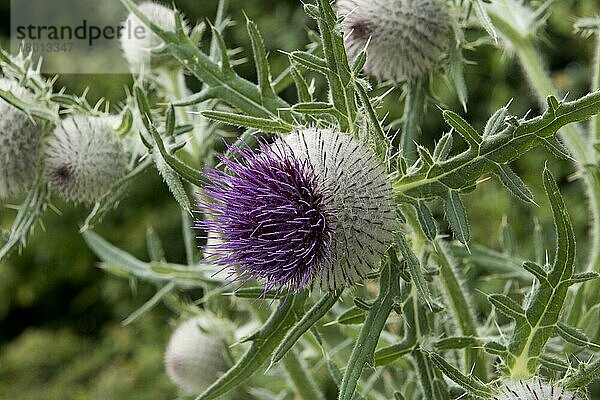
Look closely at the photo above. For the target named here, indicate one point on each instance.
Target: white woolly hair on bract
(194, 358)
(534, 389)
(84, 158)
(137, 48)
(359, 194)
(20, 144)
(406, 38)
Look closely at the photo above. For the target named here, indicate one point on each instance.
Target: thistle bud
(406, 38)
(20, 140)
(138, 48)
(84, 158)
(533, 389)
(195, 359)
(313, 209)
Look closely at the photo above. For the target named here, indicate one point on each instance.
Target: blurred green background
(61, 335)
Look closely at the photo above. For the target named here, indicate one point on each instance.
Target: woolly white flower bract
(84, 158)
(406, 38)
(360, 196)
(138, 50)
(20, 142)
(534, 389)
(313, 209)
(194, 359)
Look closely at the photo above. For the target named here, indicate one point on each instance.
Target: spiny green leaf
(263, 124)
(554, 363)
(584, 277)
(463, 128)
(496, 122)
(453, 343)
(536, 270)
(513, 183)
(585, 375)
(443, 147)
(224, 85)
(157, 272)
(457, 217)
(268, 338)
(351, 316)
(370, 331)
(507, 306)
(575, 336)
(30, 212)
(470, 384)
(415, 270)
(465, 169)
(309, 319)
(310, 61)
(260, 59)
(426, 220)
(484, 19)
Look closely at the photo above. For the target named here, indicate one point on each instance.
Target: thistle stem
(572, 137)
(304, 384)
(414, 110)
(173, 82)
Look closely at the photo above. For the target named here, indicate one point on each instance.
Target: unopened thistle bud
(313, 209)
(194, 359)
(140, 40)
(533, 389)
(20, 140)
(406, 38)
(84, 158)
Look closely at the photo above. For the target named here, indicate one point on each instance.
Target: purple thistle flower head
(312, 209)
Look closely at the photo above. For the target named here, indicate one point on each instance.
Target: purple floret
(270, 215)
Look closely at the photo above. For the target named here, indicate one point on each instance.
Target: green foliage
(418, 326)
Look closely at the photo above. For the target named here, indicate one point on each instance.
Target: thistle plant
(354, 238)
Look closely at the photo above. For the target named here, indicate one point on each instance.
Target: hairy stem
(414, 110)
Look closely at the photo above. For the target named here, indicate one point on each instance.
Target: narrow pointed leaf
(514, 184)
(457, 217)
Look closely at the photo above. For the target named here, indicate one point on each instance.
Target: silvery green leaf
(484, 19)
(263, 124)
(426, 220)
(369, 334)
(457, 217)
(496, 122)
(30, 212)
(554, 363)
(415, 270)
(513, 183)
(443, 147)
(508, 307)
(260, 60)
(463, 128)
(310, 61)
(469, 383)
